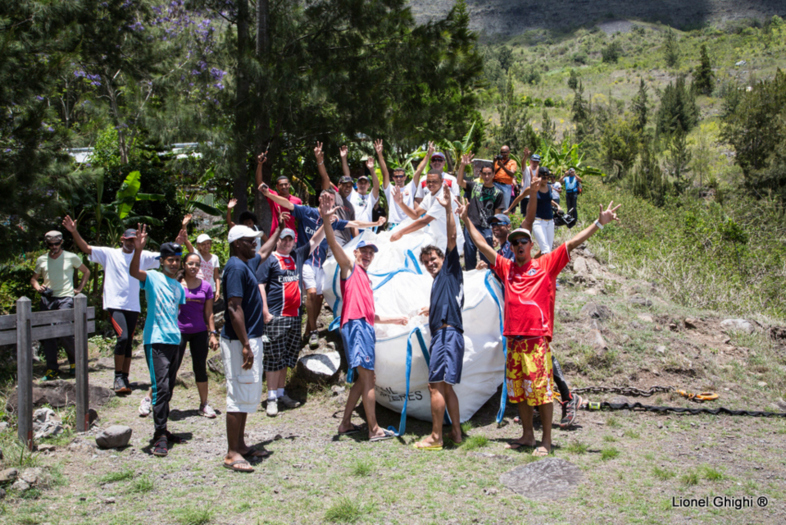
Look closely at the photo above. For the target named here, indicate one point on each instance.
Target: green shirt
(58, 274)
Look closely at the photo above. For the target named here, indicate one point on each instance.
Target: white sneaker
(288, 402)
(272, 408)
(207, 411)
(145, 407)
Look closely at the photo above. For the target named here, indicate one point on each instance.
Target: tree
(619, 145)
(548, 129)
(513, 120)
(505, 58)
(573, 79)
(640, 106)
(678, 108)
(671, 49)
(612, 52)
(579, 111)
(703, 80)
(649, 181)
(678, 159)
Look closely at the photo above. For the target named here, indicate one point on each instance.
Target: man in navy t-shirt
(447, 331)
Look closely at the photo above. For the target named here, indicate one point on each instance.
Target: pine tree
(678, 108)
(649, 181)
(671, 49)
(678, 159)
(703, 80)
(573, 79)
(579, 111)
(640, 106)
(548, 129)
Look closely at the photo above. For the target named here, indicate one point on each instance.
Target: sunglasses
(437, 159)
(55, 243)
(398, 176)
(519, 241)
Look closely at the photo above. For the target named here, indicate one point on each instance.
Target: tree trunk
(261, 206)
(240, 187)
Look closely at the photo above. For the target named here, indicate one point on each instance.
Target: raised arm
(382, 165)
(446, 200)
(230, 205)
(341, 257)
(532, 206)
(70, 225)
(270, 244)
(605, 217)
(413, 226)
(477, 238)
(423, 163)
(261, 158)
(363, 225)
(412, 213)
(343, 151)
(465, 160)
(323, 174)
(139, 244)
(186, 220)
(278, 199)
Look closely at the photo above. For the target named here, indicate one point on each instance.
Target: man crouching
(447, 330)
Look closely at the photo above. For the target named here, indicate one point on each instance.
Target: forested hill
(512, 17)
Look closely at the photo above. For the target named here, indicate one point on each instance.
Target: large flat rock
(550, 478)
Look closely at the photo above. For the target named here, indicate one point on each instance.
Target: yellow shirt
(58, 274)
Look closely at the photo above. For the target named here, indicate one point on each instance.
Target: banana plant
(559, 158)
(456, 148)
(188, 197)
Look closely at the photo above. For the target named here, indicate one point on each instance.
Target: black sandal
(160, 446)
(173, 438)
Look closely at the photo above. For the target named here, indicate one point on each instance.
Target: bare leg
(120, 362)
(352, 400)
(236, 446)
(126, 364)
(437, 391)
(276, 379)
(546, 416)
(202, 389)
(367, 378)
(313, 306)
(453, 411)
(527, 438)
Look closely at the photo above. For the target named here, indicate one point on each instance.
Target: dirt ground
(638, 467)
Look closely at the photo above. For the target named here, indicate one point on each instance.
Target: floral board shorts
(528, 371)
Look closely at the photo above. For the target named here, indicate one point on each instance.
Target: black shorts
(283, 334)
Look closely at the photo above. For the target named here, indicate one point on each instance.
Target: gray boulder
(8, 475)
(320, 368)
(116, 436)
(46, 423)
(593, 310)
(737, 325)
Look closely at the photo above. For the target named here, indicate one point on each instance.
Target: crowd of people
(262, 287)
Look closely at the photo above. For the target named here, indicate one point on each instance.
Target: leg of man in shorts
(447, 358)
(244, 390)
(313, 279)
(281, 352)
(530, 384)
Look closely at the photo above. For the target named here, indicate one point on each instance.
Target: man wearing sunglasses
(57, 269)
(396, 215)
(530, 294)
(437, 164)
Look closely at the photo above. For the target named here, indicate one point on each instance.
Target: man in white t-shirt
(434, 212)
(407, 189)
(362, 200)
(437, 163)
(121, 294)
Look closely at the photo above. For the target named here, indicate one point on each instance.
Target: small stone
(647, 318)
(737, 325)
(320, 368)
(463, 486)
(619, 400)
(116, 436)
(278, 437)
(276, 490)
(2, 493)
(83, 498)
(639, 300)
(660, 349)
(490, 491)
(337, 389)
(31, 475)
(20, 485)
(46, 448)
(692, 323)
(595, 339)
(761, 384)
(109, 500)
(8, 475)
(660, 425)
(4, 426)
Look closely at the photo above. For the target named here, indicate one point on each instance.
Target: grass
(690, 478)
(662, 473)
(577, 447)
(195, 516)
(362, 468)
(344, 510)
(608, 453)
(475, 442)
(114, 477)
(612, 422)
(142, 485)
(712, 474)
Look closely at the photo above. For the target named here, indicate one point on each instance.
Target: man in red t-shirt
(530, 293)
(282, 189)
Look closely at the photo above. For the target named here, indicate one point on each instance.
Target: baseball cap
(53, 236)
(344, 179)
(203, 237)
(543, 171)
(169, 249)
(288, 232)
(240, 231)
(363, 177)
(519, 232)
(572, 170)
(363, 244)
(500, 218)
(438, 155)
(129, 234)
(535, 158)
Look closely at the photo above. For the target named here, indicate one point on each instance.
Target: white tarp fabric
(402, 287)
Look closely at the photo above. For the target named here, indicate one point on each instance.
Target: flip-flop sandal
(388, 434)
(433, 446)
(540, 452)
(233, 466)
(354, 430)
(515, 445)
(255, 453)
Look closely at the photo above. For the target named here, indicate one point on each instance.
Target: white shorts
(244, 387)
(313, 278)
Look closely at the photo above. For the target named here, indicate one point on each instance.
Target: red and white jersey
(280, 276)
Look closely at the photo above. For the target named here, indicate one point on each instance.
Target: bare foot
(455, 436)
(540, 452)
(521, 442)
(428, 443)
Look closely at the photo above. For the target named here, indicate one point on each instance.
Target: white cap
(288, 232)
(203, 237)
(241, 232)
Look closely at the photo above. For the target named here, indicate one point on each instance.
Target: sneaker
(145, 407)
(288, 402)
(127, 382)
(272, 408)
(51, 375)
(313, 340)
(72, 370)
(120, 386)
(569, 412)
(161, 446)
(207, 411)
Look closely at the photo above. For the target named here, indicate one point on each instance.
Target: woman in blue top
(570, 182)
(543, 228)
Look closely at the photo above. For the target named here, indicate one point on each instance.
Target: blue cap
(535, 158)
(169, 249)
(363, 244)
(500, 218)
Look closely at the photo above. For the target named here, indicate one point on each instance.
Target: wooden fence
(24, 328)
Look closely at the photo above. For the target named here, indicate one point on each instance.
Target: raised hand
(261, 158)
(182, 235)
(463, 212)
(370, 164)
(481, 265)
(460, 209)
(326, 210)
(69, 224)
(445, 199)
(141, 237)
(264, 189)
(534, 184)
(186, 219)
(431, 149)
(381, 221)
(284, 217)
(343, 151)
(232, 203)
(467, 158)
(318, 153)
(398, 197)
(526, 153)
(609, 214)
(378, 146)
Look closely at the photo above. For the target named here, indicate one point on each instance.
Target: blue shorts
(359, 340)
(447, 356)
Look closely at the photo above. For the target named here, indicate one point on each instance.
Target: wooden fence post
(24, 371)
(80, 349)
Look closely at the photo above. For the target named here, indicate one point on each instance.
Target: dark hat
(363, 177)
(168, 249)
(543, 171)
(344, 179)
(129, 234)
(535, 158)
(499, 218)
